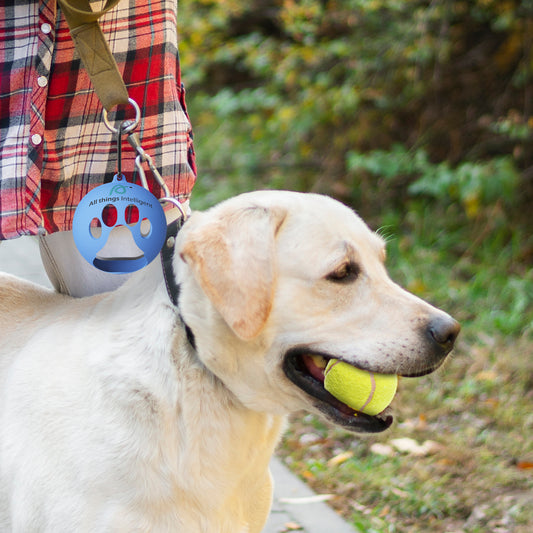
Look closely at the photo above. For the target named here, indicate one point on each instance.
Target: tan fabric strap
(94, 50)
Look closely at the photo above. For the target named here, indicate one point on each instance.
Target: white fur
(111, 422)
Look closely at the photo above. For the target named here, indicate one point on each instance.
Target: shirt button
(42, 81)
(36, 139)
(46, 28)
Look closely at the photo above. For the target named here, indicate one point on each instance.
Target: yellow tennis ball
(363, 391)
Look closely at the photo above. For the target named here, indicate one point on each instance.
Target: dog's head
(270, 280)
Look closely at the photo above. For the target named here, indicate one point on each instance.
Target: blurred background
(419, 115)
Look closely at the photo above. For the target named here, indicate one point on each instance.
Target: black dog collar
(167, 255)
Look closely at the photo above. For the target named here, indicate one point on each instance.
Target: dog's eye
(345, 273)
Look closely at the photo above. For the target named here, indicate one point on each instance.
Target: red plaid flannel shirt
(54, 146)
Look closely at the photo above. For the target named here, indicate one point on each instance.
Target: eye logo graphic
(118, 189)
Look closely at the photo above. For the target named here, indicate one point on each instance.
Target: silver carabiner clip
(130, 125)
(140, 169)
(142, 157)
(176, 203)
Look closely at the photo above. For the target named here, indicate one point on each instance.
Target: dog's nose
(444, 330)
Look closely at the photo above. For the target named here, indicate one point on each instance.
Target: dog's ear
(233, 259)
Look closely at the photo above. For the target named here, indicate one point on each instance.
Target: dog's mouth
(306, 370)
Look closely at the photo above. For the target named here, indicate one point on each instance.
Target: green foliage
(300, 83)
(473, 185)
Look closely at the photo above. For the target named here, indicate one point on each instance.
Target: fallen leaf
(384, 512)
(382, 449)
(486, 375)
(307, 474)
(410, 446)
(492, 403)
(399, 493)
(292, 526)
(340, 458)
(361, 509)
(445, 461)
(317, 498)
(420, 422)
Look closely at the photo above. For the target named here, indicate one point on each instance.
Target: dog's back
(24, 307)
(23, 299)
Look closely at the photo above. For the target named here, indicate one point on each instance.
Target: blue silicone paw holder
(122, 196)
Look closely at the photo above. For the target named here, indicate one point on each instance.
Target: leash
(103, 72)
(94, 51)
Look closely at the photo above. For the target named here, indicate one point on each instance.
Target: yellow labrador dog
(124, 412)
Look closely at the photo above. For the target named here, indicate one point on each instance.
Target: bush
(299, 84)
